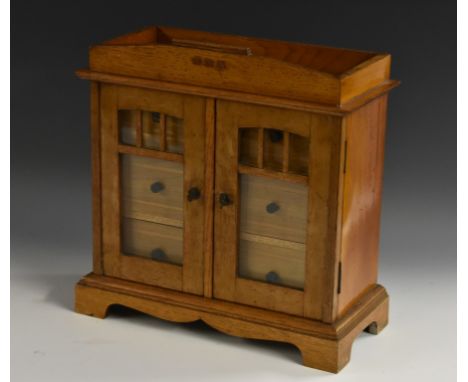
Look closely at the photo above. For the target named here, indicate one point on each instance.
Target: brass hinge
(338, 288)
(345, 156)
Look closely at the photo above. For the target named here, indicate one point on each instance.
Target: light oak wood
(141, 238)
(364, 77)
(163, 132)
(150, 153)
(365, 133)
(152, 131)
(210, 125)
(259, 256)
(138, 174)
(230, 95)
(189, 277)
(297, 71)
(288, 223)
(323, 346)
(285, 153)
(96, 176)
(269, 174)
(324, 173)
(227, 285)
(238, 181)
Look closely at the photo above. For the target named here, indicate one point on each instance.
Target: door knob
(224, 199)
(193, 194)
(157, 187)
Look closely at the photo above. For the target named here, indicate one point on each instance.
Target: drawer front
(152, 190)
(155, 241)
(271, 260)
(273, 208)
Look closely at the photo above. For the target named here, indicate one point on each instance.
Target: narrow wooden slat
(96, 173)
(273, 174)
(227, 284)
(141, 269)
(260, 140)
(137, 199)
(272, 241)
(209, 196)
(226, 241)
(110, 181)
(163, 135)
(230, 95)
(365, 132)
(139, 129)
(270, 296)
(285, 151)
(150, 153)
(324, 167)
(205, 45)
(194, 210)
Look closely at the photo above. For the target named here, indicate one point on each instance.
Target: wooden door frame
(189, 276)
(325, 165)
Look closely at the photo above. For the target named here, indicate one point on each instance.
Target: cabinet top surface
(298, 71)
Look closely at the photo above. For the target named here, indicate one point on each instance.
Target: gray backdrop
(50, 151)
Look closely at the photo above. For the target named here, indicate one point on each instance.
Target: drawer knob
(157, 187)
(272, 207)
(224, 199)
(193, 194)
(158, 254)
(272, 277)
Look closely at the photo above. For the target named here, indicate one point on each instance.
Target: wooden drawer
(152, 190)
(271, 260)
(273, 208)
(156, 241)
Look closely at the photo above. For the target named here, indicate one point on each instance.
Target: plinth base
(323, 346)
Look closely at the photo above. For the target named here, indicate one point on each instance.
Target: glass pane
(248, 146)
(156, 241)
(273, 208)
(273, 223)
(152, 189)
(281, 264)
(151, 129)
(298, 154)
(175, 134)
(152, 208)
(273, 149)
(127, 122)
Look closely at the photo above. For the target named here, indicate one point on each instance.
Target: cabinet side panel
(96, 174)
(365, 136)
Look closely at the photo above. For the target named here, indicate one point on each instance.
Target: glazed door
(275, 209)
(153, 187)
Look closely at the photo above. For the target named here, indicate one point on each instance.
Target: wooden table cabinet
(238, 181)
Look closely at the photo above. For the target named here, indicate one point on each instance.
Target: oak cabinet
(238, 181)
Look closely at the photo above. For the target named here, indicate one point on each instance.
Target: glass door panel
(276, 195)
(263, 207)
(153, 231)
(152, 208)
